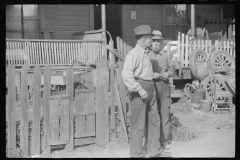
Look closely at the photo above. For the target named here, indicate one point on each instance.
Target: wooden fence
(40, 121)
(186, 46)
(52, 52)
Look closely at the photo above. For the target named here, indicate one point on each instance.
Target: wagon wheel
(197, 55)
(220, 58)
(220, 86)
(189, 90)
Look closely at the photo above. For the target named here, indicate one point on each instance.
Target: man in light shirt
(137, 75)
(161, 64)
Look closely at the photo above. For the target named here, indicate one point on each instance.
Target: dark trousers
(142, 113)
(163, 94)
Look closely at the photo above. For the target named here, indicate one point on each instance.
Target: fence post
(46, 94)
(102, 118)
(11, 109)
(112, 73)
(70, 91)
(24, 131)
(36, 111)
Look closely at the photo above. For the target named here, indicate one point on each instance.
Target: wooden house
(65, 21)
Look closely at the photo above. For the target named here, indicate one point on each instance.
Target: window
(30, 11)
(175, 14)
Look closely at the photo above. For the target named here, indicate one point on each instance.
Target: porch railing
(52, 52)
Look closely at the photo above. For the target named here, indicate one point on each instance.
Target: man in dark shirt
(161, 64)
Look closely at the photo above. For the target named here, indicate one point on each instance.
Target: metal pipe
(22, 21)
(104, 23)
(193, 19)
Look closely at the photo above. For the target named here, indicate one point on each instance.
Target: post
(104, 23)
(112, 78)
(193, 19)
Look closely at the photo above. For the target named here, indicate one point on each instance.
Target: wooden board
(120, 107)
(102, 120)
(90, 119)
(36, 111)
(11, 110)
(54, 120)
(84, 141)
(24, 131)
(112, 90)
(80, 120)
(64, 120)
(46, 94)
(70, 91)
(122, 88)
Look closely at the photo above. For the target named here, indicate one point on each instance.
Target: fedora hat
(142, 30)
(157, 35)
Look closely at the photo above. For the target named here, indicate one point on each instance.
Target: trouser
(142, 113)
(163, 94)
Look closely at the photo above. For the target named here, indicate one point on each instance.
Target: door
(174, 20)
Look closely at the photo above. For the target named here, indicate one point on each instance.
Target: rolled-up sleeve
(131, 62)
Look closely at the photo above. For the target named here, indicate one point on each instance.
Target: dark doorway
(113, 21)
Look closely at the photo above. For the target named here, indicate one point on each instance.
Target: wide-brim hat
(157, 35)
(142, 30)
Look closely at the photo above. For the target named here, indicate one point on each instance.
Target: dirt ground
(216, 138)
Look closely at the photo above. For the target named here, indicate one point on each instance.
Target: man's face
(156, 44)
(147, 41)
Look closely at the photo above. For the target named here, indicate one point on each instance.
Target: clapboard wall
(13, 21)
(61, 21)
(145, 14)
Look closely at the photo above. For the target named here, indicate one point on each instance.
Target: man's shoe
(163, 154)
(167, 146)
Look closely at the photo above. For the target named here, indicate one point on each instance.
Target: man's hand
(156, 75)
(164, 76)
(143, 94)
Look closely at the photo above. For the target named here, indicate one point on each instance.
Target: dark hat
(142, 30)
(157, 35)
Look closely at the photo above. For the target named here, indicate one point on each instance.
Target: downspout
(193, 19)
(104, 23)
(22, 22)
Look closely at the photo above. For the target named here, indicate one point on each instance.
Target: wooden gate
(59, 120)
(85, 117)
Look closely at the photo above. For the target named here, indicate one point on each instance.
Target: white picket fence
(185, 47)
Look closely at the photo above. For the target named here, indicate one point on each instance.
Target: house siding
(13, 22)
(63, 20)
(145, 14)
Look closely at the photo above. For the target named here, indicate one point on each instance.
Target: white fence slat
(178, 48)
(187, 52)
(182, 49)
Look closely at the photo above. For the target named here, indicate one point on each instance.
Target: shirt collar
(139, 48)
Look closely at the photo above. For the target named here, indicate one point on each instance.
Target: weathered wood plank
(90, 119)
(46, 94)
(121, 113)
(84, 141)
(122, 88)
(11, 110)
(70, 91)
(24, 131)
(122, 57)
(102, 120)
(36, 111)
(64, 120)
(80, 120)
(54, 120)
(112, 87)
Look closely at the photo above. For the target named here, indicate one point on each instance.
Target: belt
(143, 80)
